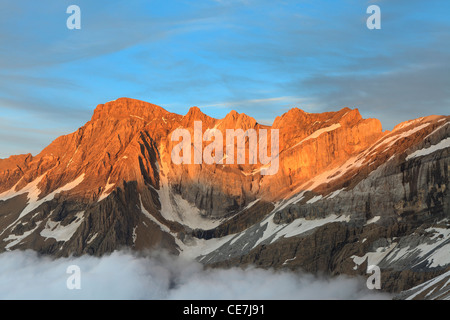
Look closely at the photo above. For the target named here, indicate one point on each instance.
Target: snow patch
(132, 115)
(314, 199)
(16, 239)
(106, 191)
(373, 258)
(317, 133)
(59, 232)
(437, 129)
(251, 204)
(373, 220)
(392, 140)
(443, 144)
(33, 196)
(288, 260)
(152, 218)
(236, 238)
(287, 201)
(31, 188)
(334, 193)
(434, 251)
(440, 253)
(202, 247)
(330, 175)
(92, 238)
(295, 228)
(407, 124)
(71, 159)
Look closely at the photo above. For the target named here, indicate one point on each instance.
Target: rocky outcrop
(398, 216)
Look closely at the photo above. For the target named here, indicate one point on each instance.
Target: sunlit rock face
(345, 193)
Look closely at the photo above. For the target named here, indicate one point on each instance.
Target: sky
(259, 57)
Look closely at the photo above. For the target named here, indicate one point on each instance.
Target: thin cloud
(256, 101)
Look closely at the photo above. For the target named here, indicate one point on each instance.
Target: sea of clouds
(127, 275)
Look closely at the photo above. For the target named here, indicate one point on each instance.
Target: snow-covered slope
(437, 288)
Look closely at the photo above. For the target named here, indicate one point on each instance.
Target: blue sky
(258, 57)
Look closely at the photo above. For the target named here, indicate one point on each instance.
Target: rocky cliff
(346, 194)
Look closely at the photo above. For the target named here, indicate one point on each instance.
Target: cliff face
(345, 195)
(396, 217)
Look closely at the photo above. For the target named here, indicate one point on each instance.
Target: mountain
(437, 288)
(345, 194)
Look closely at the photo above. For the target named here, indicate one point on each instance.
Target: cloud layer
(124, 275)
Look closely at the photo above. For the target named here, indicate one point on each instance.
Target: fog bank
(126, 275)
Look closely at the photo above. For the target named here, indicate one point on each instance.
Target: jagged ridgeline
(346, 194)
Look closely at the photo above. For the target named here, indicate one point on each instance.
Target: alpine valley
(347, 195)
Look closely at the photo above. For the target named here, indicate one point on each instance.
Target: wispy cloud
(242, 103)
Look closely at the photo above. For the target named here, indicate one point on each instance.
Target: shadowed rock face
(346, 193)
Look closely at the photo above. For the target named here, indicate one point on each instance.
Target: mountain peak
(234, 120)
(126, 107)
(290, 118)
(348, 116)
(195, 114)
(232, 114)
